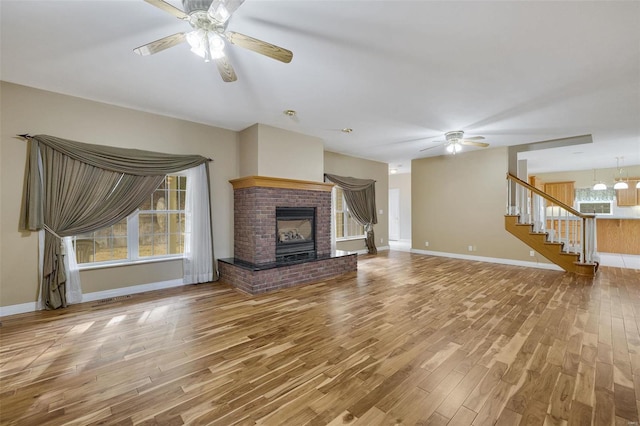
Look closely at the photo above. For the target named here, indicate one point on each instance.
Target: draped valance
(128, 166)
(122, 160)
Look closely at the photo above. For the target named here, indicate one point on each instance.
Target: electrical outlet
(470, 248)
(382, 240)
(380, 211)
(532, 253)
(426, 243)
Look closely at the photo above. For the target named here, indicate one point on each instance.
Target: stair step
(552, 250)
(553, 243)
(564, 253)
(586, 269)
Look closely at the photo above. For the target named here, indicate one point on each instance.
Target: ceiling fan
(209, 20)
(455, 140)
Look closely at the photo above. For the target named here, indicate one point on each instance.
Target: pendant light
(599, 186)
(620, 184)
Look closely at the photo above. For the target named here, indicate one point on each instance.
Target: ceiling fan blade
(160, 45)
(226, 70)
(431, 147)
(259, 46)
(221, 10)
(472, 143)
(474, 138)
(160, 4)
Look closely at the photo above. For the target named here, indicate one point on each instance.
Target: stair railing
(561, 223)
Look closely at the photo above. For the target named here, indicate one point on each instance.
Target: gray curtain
(360, 196)
(73, 188)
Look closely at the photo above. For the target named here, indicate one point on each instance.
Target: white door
(394, 214)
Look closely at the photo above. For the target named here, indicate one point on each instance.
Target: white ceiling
(395, 71)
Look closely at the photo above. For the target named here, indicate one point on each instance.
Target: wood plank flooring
(408, 339)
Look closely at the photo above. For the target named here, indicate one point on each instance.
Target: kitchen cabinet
(536, 182)
(561, 191)
(630, 196)
(618, 235)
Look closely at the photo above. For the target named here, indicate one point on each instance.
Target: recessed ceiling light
(289, 112)
(393, 171)
(347, 130)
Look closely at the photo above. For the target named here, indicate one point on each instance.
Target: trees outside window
(155, 230)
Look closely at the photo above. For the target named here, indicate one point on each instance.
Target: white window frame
(610, 203)
(133, 247)
(346, 217)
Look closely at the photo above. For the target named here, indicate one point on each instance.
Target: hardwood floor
(409, 339)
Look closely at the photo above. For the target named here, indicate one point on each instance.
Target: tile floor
(628, 261)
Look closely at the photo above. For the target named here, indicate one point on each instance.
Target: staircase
(558, 232)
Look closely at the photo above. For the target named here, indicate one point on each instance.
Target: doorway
(394, 214)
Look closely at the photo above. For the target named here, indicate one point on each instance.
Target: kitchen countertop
(616, 217)
(598, 216)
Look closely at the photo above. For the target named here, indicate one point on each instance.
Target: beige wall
(344, 165)
(274, 152)
(39, 112)
(248, 151)
(402, 182)
(458, 201)
(290, 155)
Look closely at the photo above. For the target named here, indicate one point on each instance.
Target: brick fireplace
(255, 268)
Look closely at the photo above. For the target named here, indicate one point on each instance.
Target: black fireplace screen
(295, 232)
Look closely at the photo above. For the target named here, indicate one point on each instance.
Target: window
(346, 226)
(597, 207)
(155, 230)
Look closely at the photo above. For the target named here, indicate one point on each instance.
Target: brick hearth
(253, 268)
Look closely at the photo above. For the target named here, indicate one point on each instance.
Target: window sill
(116, 264)
(359, 237)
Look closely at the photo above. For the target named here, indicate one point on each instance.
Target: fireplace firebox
(295, 233)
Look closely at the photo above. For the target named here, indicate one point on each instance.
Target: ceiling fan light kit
(209, 20)
(206, 44)
(455, 140)
(454, 147)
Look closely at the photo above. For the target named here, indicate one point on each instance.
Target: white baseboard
(125, 291)
(18, 309)
(98, 295)
(512, 262)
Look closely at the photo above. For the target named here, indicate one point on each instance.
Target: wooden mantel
(274, 182)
